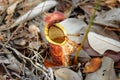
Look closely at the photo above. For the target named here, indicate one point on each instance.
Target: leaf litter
(25, 53)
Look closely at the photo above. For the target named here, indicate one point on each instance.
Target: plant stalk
(87, 31)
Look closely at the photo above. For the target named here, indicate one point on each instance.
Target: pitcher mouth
(55, 34)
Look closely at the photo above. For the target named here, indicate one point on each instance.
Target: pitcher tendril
(88, 30)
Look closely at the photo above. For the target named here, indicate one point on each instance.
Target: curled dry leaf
(54, 18)
(93, 65)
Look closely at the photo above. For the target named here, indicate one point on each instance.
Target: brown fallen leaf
(93, 65)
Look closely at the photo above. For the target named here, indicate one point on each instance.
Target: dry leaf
(106, 71)
(66, 74)
(93, 65)
(40, 8)
(89, 9)
(89, 50)
(101, 43)
(65, 6)
(110, 18)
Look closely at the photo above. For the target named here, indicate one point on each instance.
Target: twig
(37, 54)
(40, 67)
(37, 67)
(7, 71)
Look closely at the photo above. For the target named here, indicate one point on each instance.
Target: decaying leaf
(93, 65)
(66, 74)
(106, 71)
(101, 43)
